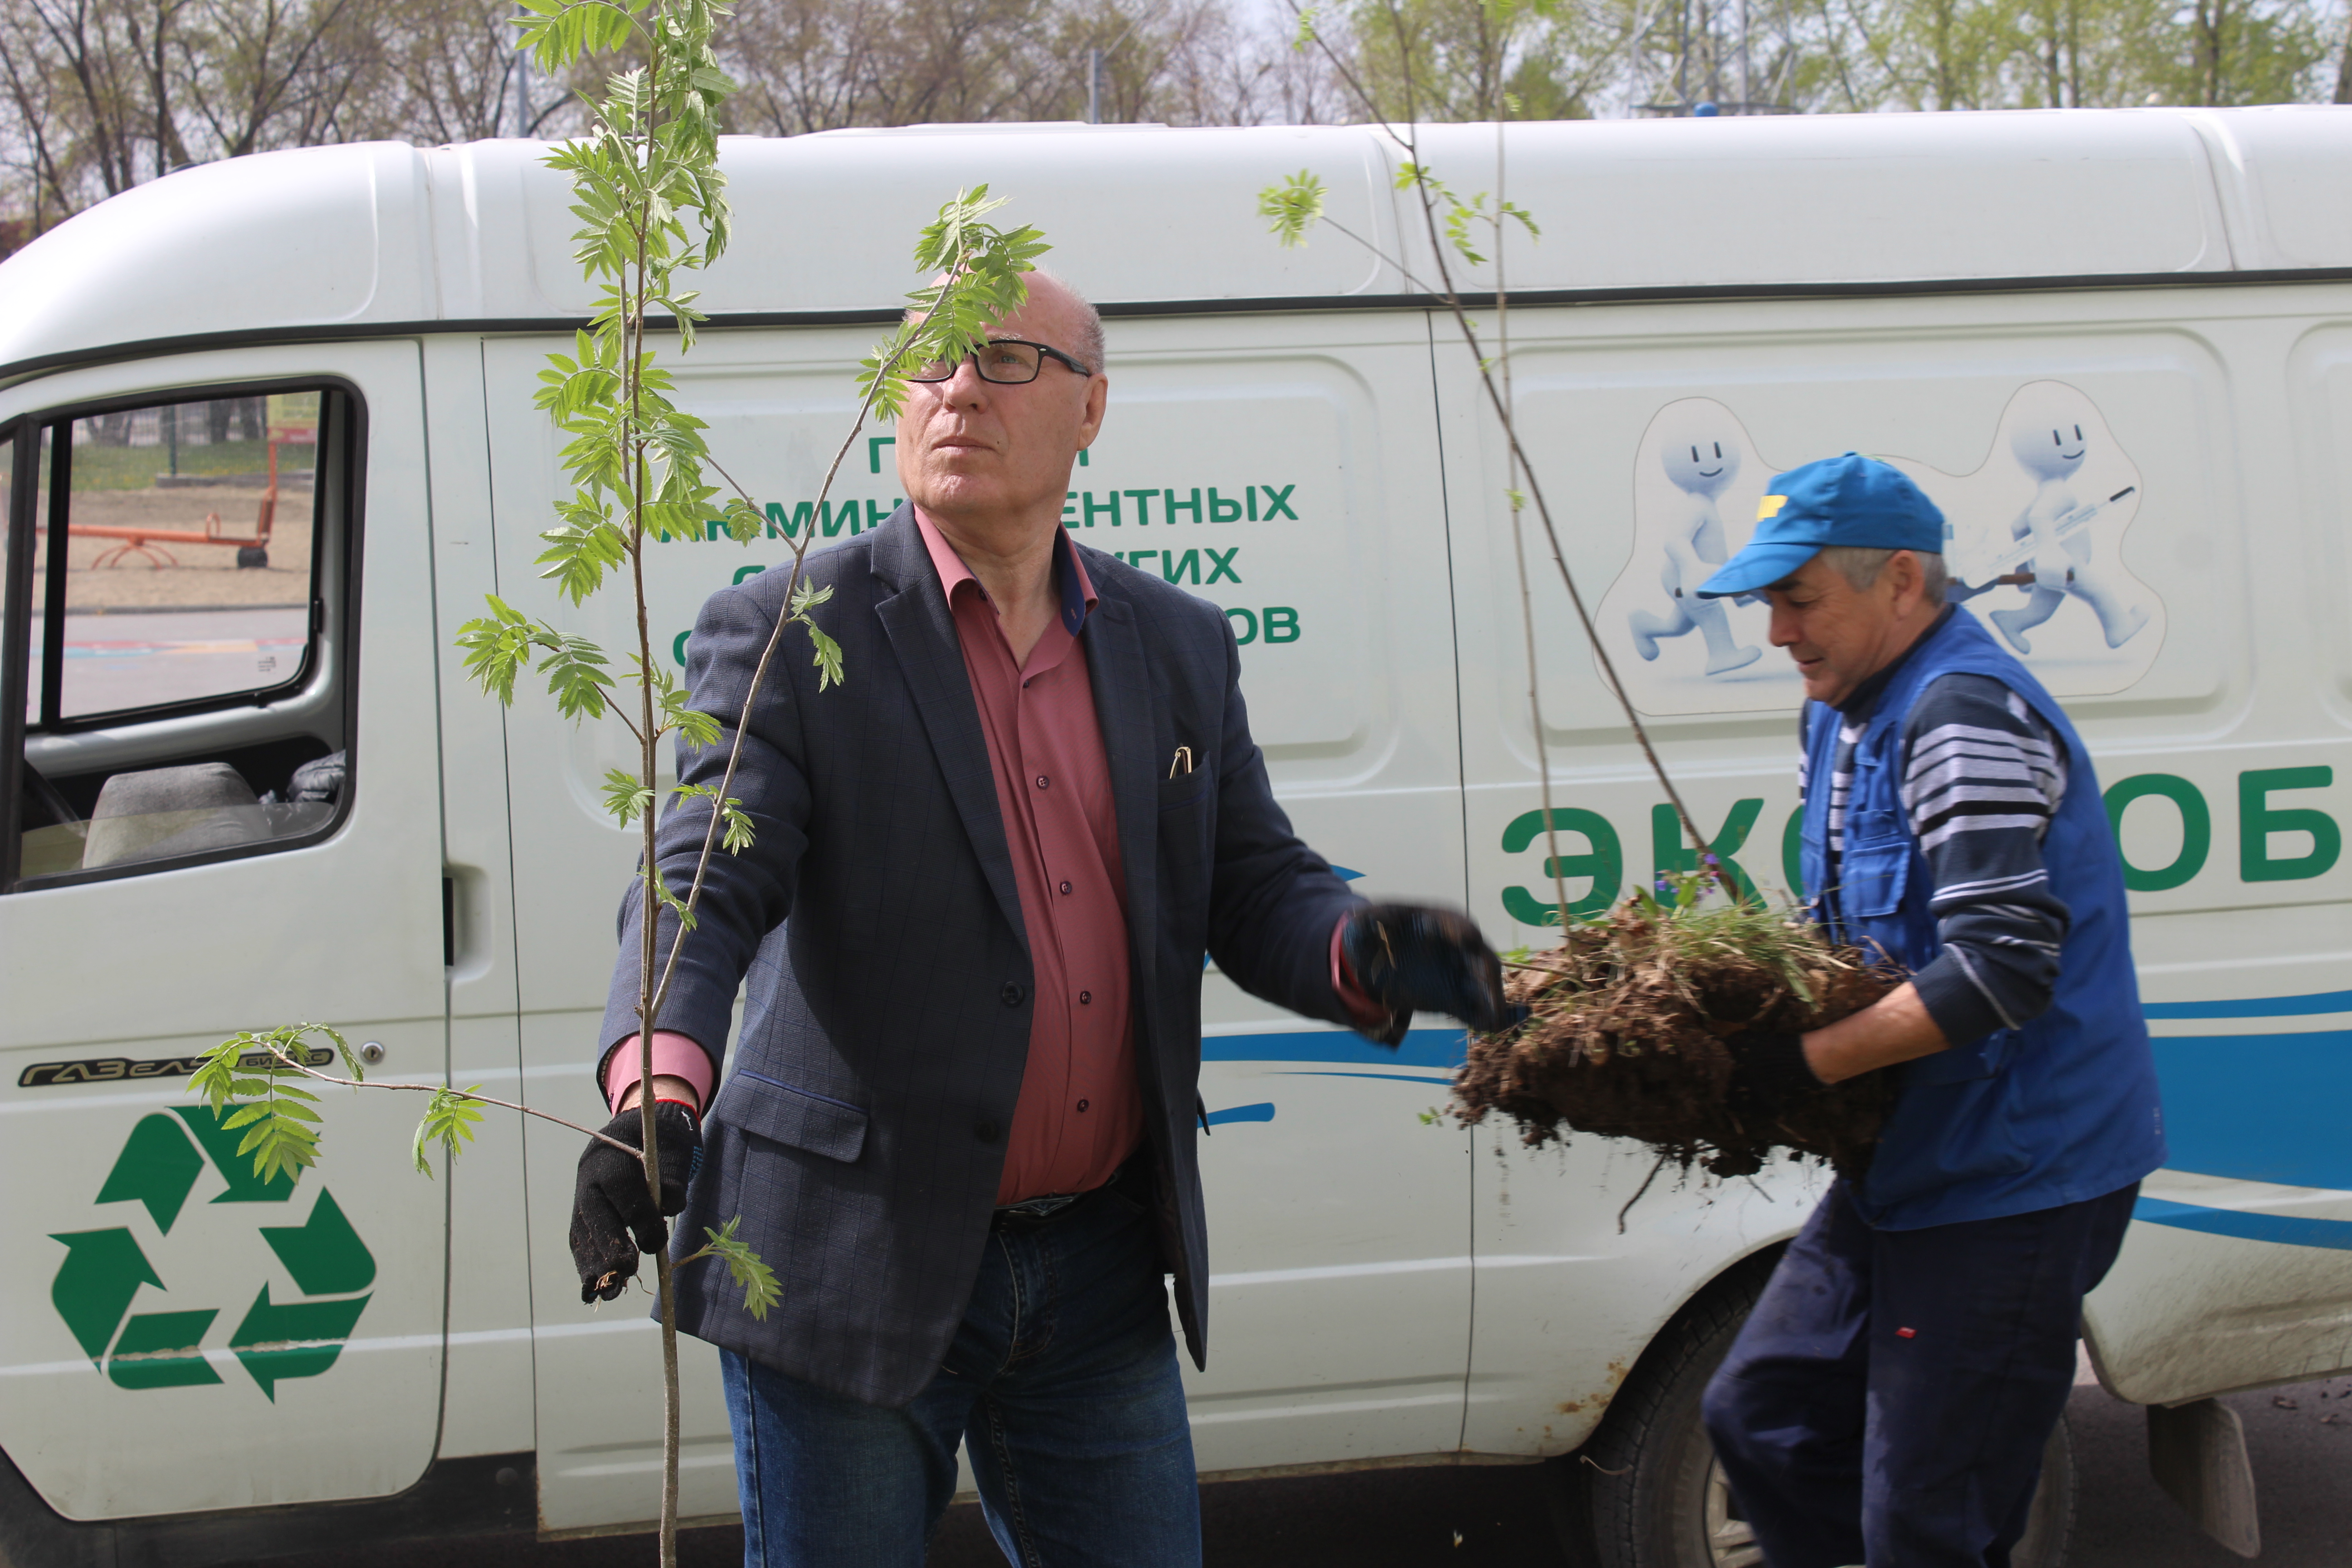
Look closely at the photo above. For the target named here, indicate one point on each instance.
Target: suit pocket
(1186, 789)
(798, 1117)
(1877, 865)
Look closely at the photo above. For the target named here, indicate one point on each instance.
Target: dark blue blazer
(861, 1132)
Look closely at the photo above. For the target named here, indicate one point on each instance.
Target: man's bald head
(1086, 339)
(992, 458)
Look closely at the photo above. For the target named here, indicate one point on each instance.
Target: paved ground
(2301, 1440)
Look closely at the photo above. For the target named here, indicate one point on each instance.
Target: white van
(272, 440)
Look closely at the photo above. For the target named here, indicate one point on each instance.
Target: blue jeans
(1061, 1381)
(1888, 1400)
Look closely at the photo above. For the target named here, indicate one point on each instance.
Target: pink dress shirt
(1080, 1114)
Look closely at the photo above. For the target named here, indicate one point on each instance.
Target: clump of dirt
(1625, 1036)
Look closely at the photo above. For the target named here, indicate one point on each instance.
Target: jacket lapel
(913, 609)
(1122, 683)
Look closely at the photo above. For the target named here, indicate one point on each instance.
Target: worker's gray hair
(1089, 346)
(1860, 566)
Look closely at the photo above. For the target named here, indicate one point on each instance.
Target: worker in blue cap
(1888, 1401)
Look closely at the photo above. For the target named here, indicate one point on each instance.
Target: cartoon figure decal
(1699, 448)
(2039, 523)
(2050, 552)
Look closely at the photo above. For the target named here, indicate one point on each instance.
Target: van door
(1285, 469)
(222, 804)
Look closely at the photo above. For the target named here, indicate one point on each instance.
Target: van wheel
(1645, 1491)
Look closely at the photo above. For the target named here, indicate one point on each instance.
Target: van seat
(162, 812)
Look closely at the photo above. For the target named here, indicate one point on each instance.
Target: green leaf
(1292, 207)
(625, 796)
(449, 1120)
(576, 676)
(250, 1082)
(496, 647)
(744, 520)
(761, 1288)
(828, 656)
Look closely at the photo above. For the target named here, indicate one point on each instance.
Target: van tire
(1644, 1491)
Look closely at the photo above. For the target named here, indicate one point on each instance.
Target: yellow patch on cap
(1769, 507)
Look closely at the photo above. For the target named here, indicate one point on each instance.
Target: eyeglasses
(1007, 361)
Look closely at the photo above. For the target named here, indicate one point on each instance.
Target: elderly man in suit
(961, 1119)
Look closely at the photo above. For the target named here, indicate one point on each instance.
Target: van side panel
(2174, 474)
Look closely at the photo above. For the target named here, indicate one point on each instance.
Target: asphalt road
(1494, 1516)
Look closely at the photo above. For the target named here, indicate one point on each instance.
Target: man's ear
(1910, 584)
(1097, 404)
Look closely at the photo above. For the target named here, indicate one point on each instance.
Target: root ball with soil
(1625, 1036)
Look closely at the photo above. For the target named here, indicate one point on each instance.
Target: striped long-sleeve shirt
(1982, 777)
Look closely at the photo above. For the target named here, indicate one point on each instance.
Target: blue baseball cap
(1852, 499)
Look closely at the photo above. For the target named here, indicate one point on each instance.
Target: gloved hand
(1768, 1072)
(610, 1203)
(1413, 958)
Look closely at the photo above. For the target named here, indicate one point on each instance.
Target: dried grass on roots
(1625, 1038)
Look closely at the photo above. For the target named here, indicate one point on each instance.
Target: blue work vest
(2060, 1108)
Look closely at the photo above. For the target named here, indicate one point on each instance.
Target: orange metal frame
(146, 541)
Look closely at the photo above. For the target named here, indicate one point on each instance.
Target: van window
(182, 695)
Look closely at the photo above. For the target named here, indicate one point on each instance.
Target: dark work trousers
(1887, 1401)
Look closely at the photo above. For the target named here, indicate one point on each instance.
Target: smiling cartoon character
(2049, 441)
(1700, 450)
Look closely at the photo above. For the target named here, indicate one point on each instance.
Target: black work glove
(610, 1203)
(1413, 958)
(1768, 1072)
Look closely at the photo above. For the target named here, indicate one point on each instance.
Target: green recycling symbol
(104, 1269)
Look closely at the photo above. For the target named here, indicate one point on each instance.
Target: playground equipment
(251, 550)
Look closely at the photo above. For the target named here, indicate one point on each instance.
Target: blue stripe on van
(1262, 1112)
(2291, 1230)
(2254, 1006)
(1421, 1048)
(2260, 1108)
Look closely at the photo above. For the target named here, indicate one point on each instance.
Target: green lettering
(877, 514)
(1142, 500)
(1173, 569)
(2257, 819)
(1093, 512)
(1069, 520)
(1793, 854)
(1278, 502)
(1248, 634)
(833, 516)
(2195, 829)
(741, 573)
(1220, 570)
(1671, 857)
(1221, 510)
(677, 652)
(1170, 505)
(1605, 863)
(874, 445)
(782, 527)
(1281, 624)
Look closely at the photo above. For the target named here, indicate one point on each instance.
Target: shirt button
(1084, 996)
(1066, 886)
(984, 1130)
(1082, 1104)
(1011, 994)
(1043, 781)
